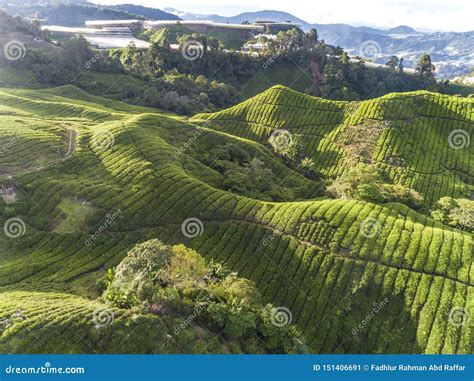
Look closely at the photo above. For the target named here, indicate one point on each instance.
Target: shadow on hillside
(370, 319)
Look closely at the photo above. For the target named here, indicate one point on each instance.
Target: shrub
(177, 282)
(368, 183)
(458, 213)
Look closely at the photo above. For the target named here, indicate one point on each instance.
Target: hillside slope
(136, 174)
(421, 139)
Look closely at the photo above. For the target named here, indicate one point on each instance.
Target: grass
(310, 256)
(74, 214)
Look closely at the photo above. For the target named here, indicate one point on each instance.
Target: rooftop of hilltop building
(110, 34)
(261, 26)
(110, 37)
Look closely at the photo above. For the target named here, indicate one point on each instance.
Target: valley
(251, 182)
(329, 262)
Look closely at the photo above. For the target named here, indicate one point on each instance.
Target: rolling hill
(408, 134)
(357, 277)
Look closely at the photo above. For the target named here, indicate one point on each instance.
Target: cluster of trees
(168, 87)
(336, 77)
(62, 66)
(215, 64)
(10, 23)
(458, 213)
(176, 282)
(245, 175)
(213, 81)
(290, 150)
(370, 183)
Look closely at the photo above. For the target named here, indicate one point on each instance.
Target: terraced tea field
(356, 277)
(408, 134)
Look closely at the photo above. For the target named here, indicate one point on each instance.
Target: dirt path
(70, 151)
(72, 143)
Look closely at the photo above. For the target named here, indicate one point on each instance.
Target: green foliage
(178, 279)
(310, 256)
(244, 175)
(134, 276)
(386, 133)
(366, 182)
(455, 212)
(359, 182)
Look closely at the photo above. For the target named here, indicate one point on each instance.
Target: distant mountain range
(75, 13)
(149, 13)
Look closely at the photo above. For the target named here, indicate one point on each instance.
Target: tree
(458, 213)
(369, 183)
(400, 66)
(345, 59)
(425, 67)
(176, 283)
(393, 62)
(311, 39)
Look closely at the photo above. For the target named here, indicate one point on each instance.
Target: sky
(430, 15)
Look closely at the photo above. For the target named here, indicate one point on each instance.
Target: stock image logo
(281, 316)
(103, 317)
(192, 50)
(14, 228)
(14, 50)
(459, 316)
(370, 227)
(370, 49)
(192, 227)
(280, 139)
(459, 139)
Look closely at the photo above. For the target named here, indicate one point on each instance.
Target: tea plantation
(354, 276)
